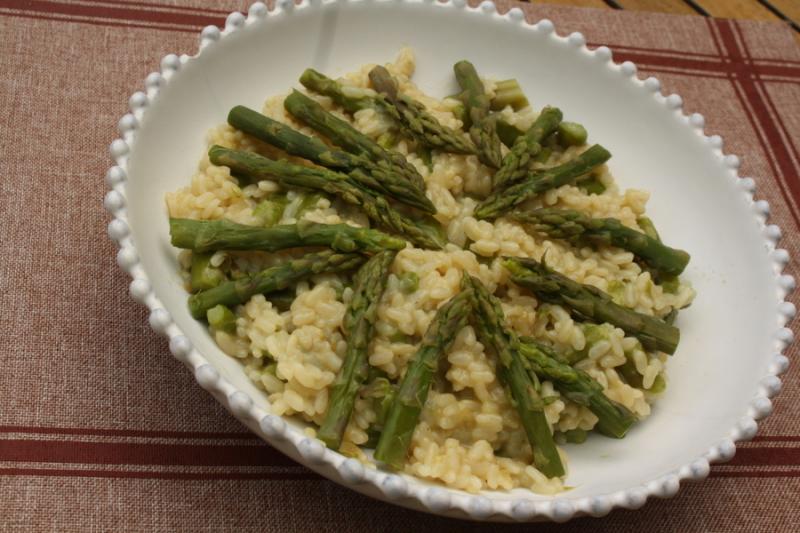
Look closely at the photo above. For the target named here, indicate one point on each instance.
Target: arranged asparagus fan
(500, 202)
(379, 176)
(358, 324)
(212, 235)
(412, 115)
(526, 147)
(256, 167)
(590, 303)
(512, 371)
(579, 228)
(349, 99)
(231, 293)
(613, 419)
(404, 413)
(343, 134)
(482, 128)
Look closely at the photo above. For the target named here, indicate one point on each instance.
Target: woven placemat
(102, 430)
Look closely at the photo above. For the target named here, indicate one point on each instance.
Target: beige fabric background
(102, 430)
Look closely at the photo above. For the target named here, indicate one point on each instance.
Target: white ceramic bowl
(725, 370)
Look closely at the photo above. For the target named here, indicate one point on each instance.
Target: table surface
(101, 429)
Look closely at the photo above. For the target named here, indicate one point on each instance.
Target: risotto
(293, 342)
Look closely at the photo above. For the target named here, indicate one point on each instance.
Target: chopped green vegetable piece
(203, 275)
(308, 202)
(648, 228)
(221, 318)
(571, 134)
(508, 93)
(544, 155)
(670, 284)
(282, 300)
(409, 282)
(576, 436)
(671, 316)
(508, 133)
(270, 211)
(592, 186)
(425, 154)
(387, 140)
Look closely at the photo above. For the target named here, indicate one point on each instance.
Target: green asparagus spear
(348, 98)
(579, 228)
(358, 324)
(501, 201)
(483, 129)
(412, 115)
(614, 419)
(526, 147)
(207, 235)
(523, 387)
(343, 134)
(286, 138)
(272, 279)
(571, 134)
(589, 303)
(282, 300)
(508, 93)
(404, 414)
(202, 275)
(376, 175)
(256, 167)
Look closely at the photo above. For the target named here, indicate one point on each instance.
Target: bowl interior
(726, 334)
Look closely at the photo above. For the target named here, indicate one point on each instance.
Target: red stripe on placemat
(776, 438)
(105, 23)
(303, 474)
(162, 7)
(124, 453)
(766, 456)
(195, 21)
(158, 434)
(754, 473)
(119, 453)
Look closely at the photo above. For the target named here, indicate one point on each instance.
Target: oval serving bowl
(724, 372)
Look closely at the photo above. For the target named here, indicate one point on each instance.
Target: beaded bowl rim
(406, 490)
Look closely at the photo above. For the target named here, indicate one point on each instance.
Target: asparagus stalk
(256, 167)
(395, 439)
(614, 419)
(343, 134)
(286, 138)
(523, 387)
(379, 176)
(501, 201)
(272, 279)
(201, 235)
(483, 129)
(350, 100)
(270, 211)
(358, 324)
(415, 119)
(590, 303)
(579, 228)
(526, 147)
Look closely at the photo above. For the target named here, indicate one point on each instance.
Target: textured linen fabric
(101, 429)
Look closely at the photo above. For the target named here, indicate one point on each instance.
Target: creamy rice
(469, 436)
